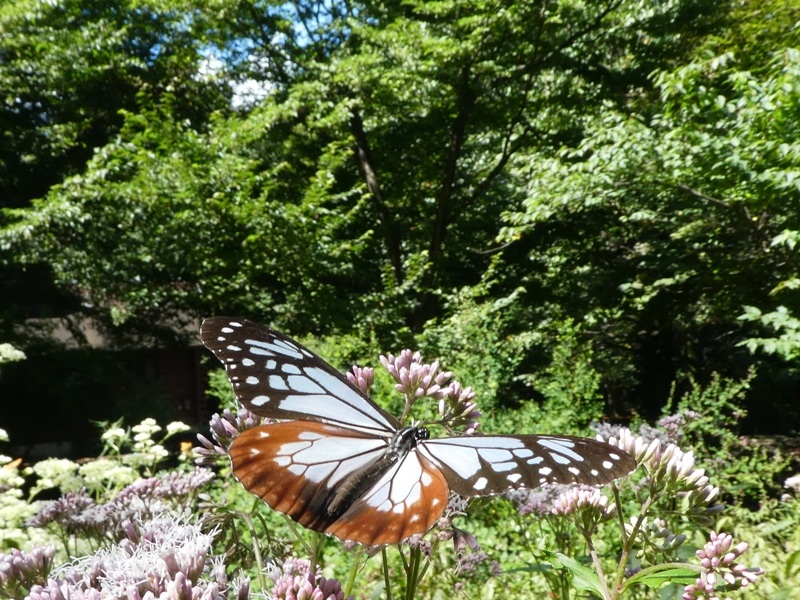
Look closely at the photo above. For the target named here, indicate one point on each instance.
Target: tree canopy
(491, 176)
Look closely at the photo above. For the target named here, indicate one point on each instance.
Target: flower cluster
(294, 583)
(415, 379)
(224, 428)
(147, 497)
(539, 501)
(362, 378)
(583, 498)
(76, 513)
(146, 452)
(58, 473)
(9, 353)
(673, 425)
(20, 570)
(719, 571)
(669, 467)
(583, 501)
(668, 429)
(167, 557)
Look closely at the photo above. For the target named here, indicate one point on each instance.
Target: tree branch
(365, 164)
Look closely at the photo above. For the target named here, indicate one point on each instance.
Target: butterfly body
(339, 464)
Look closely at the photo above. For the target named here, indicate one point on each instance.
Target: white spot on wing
(303, 385)
(480, 483)
(261, 352)
(260, 400)
(276, 382)
(561, 446)
(495, 455)
(504, 466)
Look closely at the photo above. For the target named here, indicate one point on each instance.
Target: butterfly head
(406, 439)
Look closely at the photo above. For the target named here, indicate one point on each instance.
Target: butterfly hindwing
(407, 500)
(276, 377)
(487, 465)
(300, 468)
(296, 466)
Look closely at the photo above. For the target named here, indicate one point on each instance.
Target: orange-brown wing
(408, 499)
(297, 468)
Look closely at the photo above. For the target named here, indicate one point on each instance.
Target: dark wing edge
(263, 365)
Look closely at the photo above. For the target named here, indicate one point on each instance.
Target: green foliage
(655, 229)
(67, 70)
(748, 471)
(786, 340)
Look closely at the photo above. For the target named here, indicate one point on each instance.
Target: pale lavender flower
(362, 378)
(168, 557)
(418, 542)
(20, 570)
(672, 424)
(467, 563)
(414, 378)
(76, 514)
(456, 507)
(293, 583)
(458, 409)
(463, 540)
(669, 466)
(538, 501)
(224, 428)
(146, 498)
(719, 570)
(581, 498)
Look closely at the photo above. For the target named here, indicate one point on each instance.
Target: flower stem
(386, 583)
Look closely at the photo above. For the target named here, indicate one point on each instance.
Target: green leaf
(673, 575)
(583, 578)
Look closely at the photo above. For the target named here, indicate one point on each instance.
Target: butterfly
(337, 463)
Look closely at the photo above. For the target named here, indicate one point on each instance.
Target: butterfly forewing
(276, 377)
(487, 465)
